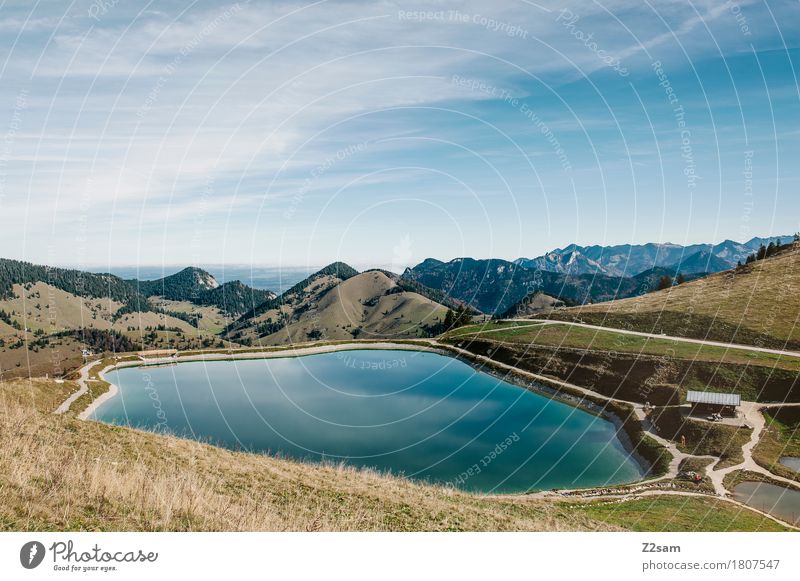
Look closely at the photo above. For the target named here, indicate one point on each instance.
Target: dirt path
(755, 418)
(83, 388)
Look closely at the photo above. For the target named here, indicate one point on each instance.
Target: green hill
(186, 285)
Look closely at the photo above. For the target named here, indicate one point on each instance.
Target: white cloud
(143, 106)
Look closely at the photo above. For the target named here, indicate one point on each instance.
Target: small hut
(708, 402)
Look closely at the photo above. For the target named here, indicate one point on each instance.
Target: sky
(382, 133)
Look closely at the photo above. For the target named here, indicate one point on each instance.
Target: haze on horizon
(380, 134)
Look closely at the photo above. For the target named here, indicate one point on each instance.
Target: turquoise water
(424, 415)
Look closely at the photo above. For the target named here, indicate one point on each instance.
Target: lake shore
(291, 352)
(517, 381)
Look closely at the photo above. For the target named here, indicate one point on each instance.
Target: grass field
(679, 514)
(583, 338)
(781, 437)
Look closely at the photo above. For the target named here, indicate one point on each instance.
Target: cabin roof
(711, 397)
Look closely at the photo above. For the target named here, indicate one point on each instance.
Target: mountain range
(632, 259)
(42, 306)
(494, 286)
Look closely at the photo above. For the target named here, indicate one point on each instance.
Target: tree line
(769, 250)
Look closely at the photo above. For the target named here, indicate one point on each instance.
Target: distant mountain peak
(633, 259)
(338, 269)
(203, 278)
(185, 284)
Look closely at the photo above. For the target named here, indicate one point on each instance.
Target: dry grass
(362, 306)
(61, 355)
(58, 473)
(212, 319)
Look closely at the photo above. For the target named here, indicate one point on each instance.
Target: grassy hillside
(326, 277)
(275, 314)
(568, 336)
(338, 303)
(757, 304)
(781, 437)
(366, 306)
(535, 303)
(198, 287)
(629, 367)
(59, 473)
(205, 317)
(677, 514)
(44, 328)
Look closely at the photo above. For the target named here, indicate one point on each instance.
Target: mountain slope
(369, 305)
(535, 303)
(234, 297)
(649, 280)
(493, 285)
(756, 304)
(276, 313)
(199, 287)
(49, 315)
(185, 285)
(410, 285)
(700, 262)
(567, 261)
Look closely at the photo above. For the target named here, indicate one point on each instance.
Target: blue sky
(381, 133)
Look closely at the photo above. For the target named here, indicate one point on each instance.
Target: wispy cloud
(135, 109)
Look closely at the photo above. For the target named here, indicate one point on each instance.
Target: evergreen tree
(664, 282)
(463, 316)
(681, 279)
